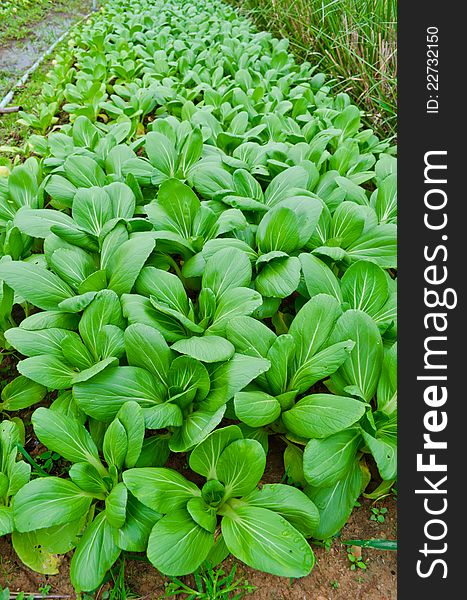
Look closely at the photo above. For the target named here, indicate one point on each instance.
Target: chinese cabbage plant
(197, 264)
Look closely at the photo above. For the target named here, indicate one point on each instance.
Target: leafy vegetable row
(207, 237)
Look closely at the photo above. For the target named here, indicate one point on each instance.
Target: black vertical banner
(432, 307)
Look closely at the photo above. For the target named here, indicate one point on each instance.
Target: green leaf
(132, 418)
(241, 466)
(278, 230)
(66, 436)
(146, 348)
(290, 503)
(251, 529)
(21, 393)
(226, 269)
(293, 464)
(87, 477)
(280, 354)
(162, 490)
(50, 318)
(163, 416)
(361, 370)
(319, 279)
(115, 444)
(39, 549)
(235, 302)
(177, 545)
(122, 200)
(250, 336)
(202, 514)
(231, 377)
(179, 206)
(387, 384)
(312, 326)
(209, 348)
(286, 184)
(7, 524)
(279, 278)
(115, 505)
(95, 554)
(92, 209)
(365, 287)
(35, 284)
(84, 172)
(48, 501)
(378, 244)
(127, 263)
(161, 152)
(322, 415)
(325, 461)
(335, 503)
(105, 309)
(134, 534)
(321, 365)
(102, 396)
(204, 457)
(187, 375)
(37, 222)
(256, 408)
(50, 371)
(195, 428)
(164, 287)
(40, 341)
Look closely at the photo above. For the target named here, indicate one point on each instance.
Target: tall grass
(352, 40)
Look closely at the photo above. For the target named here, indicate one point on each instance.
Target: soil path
(18, 55)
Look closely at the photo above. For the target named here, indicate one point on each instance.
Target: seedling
(378, 514)
(356, 560)
(212, 584)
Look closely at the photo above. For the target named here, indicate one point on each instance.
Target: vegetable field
(197, 268)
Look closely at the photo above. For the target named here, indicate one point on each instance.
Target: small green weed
(212, 584)
(378, 514)
(48, 460)
(356, 561)
(5, 594)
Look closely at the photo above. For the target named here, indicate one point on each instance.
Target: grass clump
(353, 40)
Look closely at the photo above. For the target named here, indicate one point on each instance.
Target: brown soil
(331, 579)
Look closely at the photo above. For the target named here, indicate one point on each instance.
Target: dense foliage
(199, 257)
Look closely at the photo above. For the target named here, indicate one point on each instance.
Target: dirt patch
(331, 579)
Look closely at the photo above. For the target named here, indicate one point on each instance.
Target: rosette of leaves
(90, 511)
(23, 187)
(364, 286)
(352, 232)
(242, 190)
(180, 398)
(172, 148)
(91, 250)
(102, 144)
(332, 467)
(183, 224)
(65, 348)
(228, 514)
(299, 359)
(14, 473)
(85, 97)
(196, 330)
